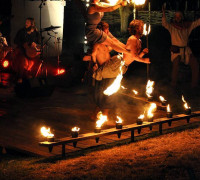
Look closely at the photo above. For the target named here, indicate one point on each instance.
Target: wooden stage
(21, 120)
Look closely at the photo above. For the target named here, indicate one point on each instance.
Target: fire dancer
(134, 44)
(94, 15)
(26, 40)
(180, 51)
(105, 71)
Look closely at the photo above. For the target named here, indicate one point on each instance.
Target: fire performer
(27, 40)
(180, 51)
(108, 68)
(94, 15)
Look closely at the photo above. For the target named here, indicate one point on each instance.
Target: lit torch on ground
(100, 120)
(119, 123)
(150, 111)
(140, 119)
(163, 100)
(169, 112)
(187, 108)
(75, 132)
(47, 134)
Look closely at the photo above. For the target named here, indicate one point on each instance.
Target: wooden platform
(20, 126)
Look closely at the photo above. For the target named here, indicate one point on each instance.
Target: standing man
(180, 51)
(107, 68)
(27, 40)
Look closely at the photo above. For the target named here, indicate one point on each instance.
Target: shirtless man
(108, 68)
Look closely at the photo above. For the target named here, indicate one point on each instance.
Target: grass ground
(175, 155)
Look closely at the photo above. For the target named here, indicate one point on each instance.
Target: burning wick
(169, 112)
(145, 31)
(149, 89)
(47, 133)
(163, 100)
(187, 108)
(119, 123)
(150, 114)
(135, 92)
(140, 119)
(75, 132)
(101, 119)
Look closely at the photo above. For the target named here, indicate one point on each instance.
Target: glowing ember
(75, 129)
(135, 92)
(141, 117)
(145, 31)
(101, 119)
(114, 87)
(60, 71)
(149, 88)
(151, 109)
(46, 132)
(162, 99)
(5, 63)
(119, 120)
(185, 103)
(168, 108)
(123, 87)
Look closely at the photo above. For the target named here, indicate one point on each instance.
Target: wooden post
(63, 150)
(132, 136)
(160, 128)
(148, 65)
(134, 11)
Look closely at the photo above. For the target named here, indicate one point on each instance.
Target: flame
(5, 63)
(149, 88)
(119, 120)
(135, 92)
(185, 103)
(114, 87)
(145, 31)
(152, 109)
(60, 71)
(141, 117)
(112, 2)
(162, 99)
(168, 108)
(123, 87)
(46, 132)
(136, 2)
(101, 119)
(75, 129)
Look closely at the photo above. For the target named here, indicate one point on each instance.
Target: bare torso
(102, 54)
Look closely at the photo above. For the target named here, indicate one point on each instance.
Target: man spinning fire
(109, 67)
(27, 50)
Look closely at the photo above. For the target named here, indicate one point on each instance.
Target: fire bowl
(188, 111)
(97, 130)
(74, 134)
(50, 139)
(119, 125)
(150, 119)
(169, 114)
(139, 122)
